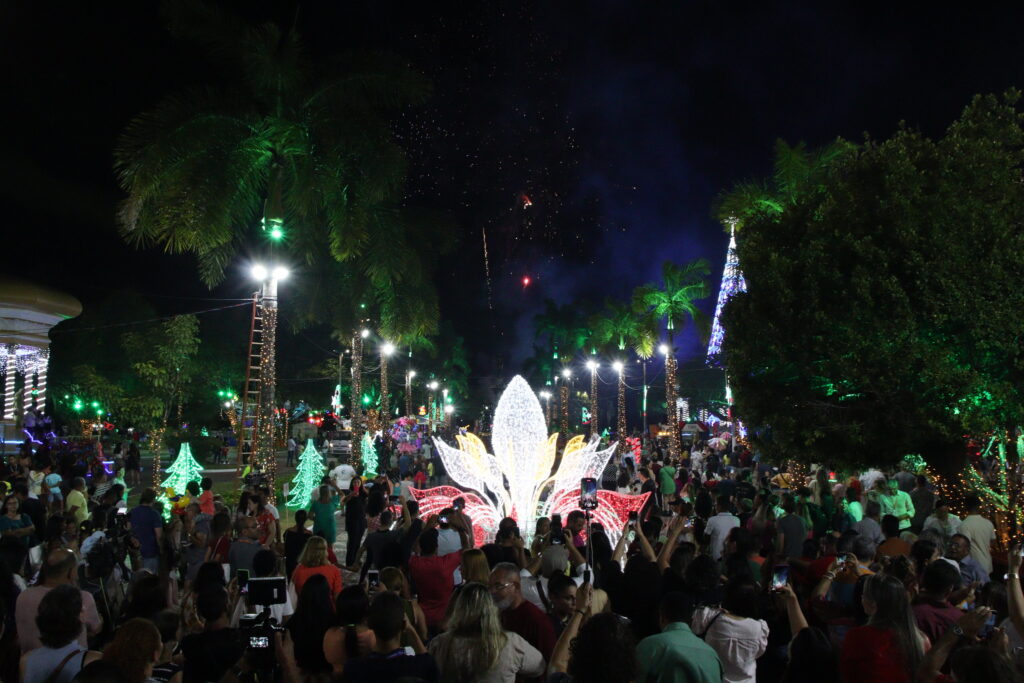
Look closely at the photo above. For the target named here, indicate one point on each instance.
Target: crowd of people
(734, 571)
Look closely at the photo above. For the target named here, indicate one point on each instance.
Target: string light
(12, 369)
(357, 388)
(620, 426)
(265, 455)
(563, 404)
(308, 476)
(42, 367)
(385, 397)
(671, 404)
(369, 457)
(732, 283)
(592, 365)
(184, 469)
(156, 444)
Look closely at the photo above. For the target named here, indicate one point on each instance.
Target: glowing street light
(663, 349)
(365, 333)
(566, 373)
(387, 349)
(617, 366)
(433, 385)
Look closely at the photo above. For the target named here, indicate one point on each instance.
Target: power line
(150, 320)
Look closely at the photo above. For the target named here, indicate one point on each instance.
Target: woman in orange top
(313, 560)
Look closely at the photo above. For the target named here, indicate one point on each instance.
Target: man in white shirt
(343, 475)
(979, 531)
(718, 528)
(897, 503)
(943, 522)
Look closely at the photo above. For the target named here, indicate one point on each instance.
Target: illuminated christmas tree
(369, 457)
(308, 476)
(732, 282)
(184, 469)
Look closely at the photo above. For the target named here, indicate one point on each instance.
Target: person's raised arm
(968, 626)
(797, 621)
(560, 655)
(675, 529)
(821, 590)
(1013, 589)
(574, 553)
(620, 547)
(645, 546)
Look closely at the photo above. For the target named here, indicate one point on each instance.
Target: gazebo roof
(28, 311)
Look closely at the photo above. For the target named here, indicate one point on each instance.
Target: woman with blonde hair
(476, 649)
(475, 566)
(136, 648)
(312, 561)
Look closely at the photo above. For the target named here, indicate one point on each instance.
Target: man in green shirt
(676, 655)
(667, 483)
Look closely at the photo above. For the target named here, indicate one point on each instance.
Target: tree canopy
(882, 315)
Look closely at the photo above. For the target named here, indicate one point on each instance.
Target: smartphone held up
(588, 493)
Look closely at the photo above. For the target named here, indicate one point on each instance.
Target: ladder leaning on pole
(248, 425)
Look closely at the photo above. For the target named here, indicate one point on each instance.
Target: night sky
(620, 121)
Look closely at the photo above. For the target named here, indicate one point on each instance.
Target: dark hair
(167, 623)
(300, 517)
(351, 606)
(58, 563)
(922, 480)
(604, 650)
(972, 501)
(386, 517)
(741, 597)
(852, 495)
(428, 541)
(386, 616)
(812, 658)
(209, 576)
(702, 574)
(864, 548)
(677, 606)
(922, 553)
(414, 507)
(59, 618)
(558, 583)
(192, 488)
(147, 497)
(264, 563)
(890, 526)
(723, 502)
(980, 664)
(206, 483)
(20, 488)
(940, 578)
(375, 502)
(147, 596)
(212, 604)
(872, 509)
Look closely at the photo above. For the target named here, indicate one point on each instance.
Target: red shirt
(533, 625)
(871, 654)
(329, 571)
(934, 618)
(205, 501)
(434, 583)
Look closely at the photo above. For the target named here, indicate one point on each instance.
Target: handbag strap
(60, 667)
(710, 624)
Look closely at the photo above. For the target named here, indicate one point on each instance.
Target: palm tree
(302, 156)
(796, 170)
(620, 326)
(673, 301)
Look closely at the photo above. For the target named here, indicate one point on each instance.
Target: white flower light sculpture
(517, 480)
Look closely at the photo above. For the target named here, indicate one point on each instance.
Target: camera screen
(588, 493)
(259, 642)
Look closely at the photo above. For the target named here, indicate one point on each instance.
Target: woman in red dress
(889, 647)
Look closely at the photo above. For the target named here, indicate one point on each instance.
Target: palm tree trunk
(385, 397)
(563, 402)
(357, 395)
(621, 407)
(671, 401)
(594, 427)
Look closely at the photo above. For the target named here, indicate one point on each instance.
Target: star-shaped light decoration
(519, 479)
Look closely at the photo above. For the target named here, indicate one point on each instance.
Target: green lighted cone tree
(307, 477)
(184, 469)
(369, 457)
